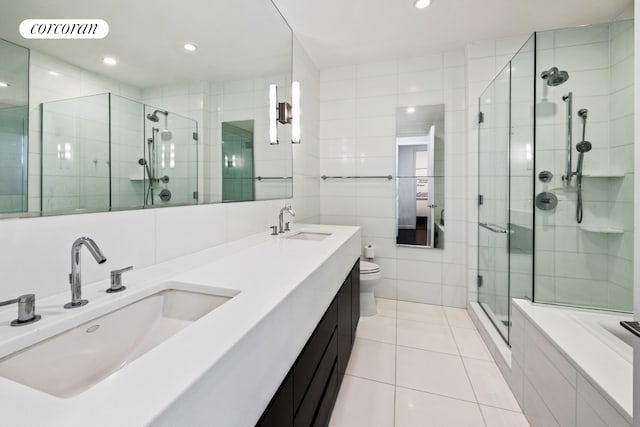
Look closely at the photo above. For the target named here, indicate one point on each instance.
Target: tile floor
(422, 365)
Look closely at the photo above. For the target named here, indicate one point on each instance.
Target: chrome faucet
(26, 309)
(75, 279)
(287, 208)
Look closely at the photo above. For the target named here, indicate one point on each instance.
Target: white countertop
(222, 369)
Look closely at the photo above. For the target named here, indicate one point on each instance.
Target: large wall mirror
(14, 125)
(420, 176)
(147, 128)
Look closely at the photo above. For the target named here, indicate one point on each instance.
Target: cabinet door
(309, 359)
(344, 327)
(355, 299)
(313, 398)
(279, 413)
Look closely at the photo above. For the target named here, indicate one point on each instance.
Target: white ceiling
(236, 39)
(241, 39)
(343, 32)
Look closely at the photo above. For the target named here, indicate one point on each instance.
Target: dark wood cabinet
(307, 395)
(345, 342)
(280, 409)
(355, 299)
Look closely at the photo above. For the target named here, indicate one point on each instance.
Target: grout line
(441, 395)
(473, 389)
(429, 350)
(370, 379)
(395, 370)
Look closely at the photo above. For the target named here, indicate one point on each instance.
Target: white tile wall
(589, 269)
(35, 252)
(357, 137)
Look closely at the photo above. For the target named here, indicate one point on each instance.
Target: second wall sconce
(284, 113)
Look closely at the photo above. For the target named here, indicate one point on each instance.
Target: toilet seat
(369, 271)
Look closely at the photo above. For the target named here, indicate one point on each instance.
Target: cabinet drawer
(312, 399)
(328, 400)
(311, 355)
(279, 413)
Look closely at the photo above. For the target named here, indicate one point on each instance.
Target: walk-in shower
(575, 246)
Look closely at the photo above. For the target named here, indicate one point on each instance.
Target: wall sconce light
(64, 152)
(273, 114)
(284, 113)
(295, 113)
(230, 163)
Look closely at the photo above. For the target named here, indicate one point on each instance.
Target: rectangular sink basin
(309, 235)
(73, 361)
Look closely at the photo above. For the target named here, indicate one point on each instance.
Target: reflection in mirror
(218, 82)
(171, 158)
(107, 152)
(237, 161)
(420, 176)
(14, 114)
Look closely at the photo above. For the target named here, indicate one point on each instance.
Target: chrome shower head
(154, 116)
(583, 146)
(554, 77)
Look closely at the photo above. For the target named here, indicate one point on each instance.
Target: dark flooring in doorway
(414, 237)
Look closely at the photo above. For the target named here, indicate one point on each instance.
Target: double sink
(71, 362)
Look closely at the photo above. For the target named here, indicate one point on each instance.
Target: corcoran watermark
(64, 29)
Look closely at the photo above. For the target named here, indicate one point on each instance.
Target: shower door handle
(493, 227)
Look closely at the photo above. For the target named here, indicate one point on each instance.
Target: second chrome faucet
(75, 277)
(286, 208)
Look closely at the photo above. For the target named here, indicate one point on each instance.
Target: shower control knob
(546, 201)
(545, 176)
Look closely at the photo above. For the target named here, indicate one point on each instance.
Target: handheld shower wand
(582, 147)
(568, 98)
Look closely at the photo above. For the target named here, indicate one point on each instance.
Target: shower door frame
(508, 198)
(532, 288)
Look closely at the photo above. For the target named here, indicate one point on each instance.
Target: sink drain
(92, 328)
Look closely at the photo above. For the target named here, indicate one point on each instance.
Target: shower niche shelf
(605, 229)
(603, 175)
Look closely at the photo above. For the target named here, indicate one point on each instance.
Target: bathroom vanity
(307, 394)
(275, 349)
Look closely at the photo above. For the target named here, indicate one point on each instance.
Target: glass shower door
(171, 152)
(493, 201)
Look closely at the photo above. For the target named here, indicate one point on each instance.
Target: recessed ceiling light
(421, 4)
(54, 73)
(109, 60)
(4, 84)
(411, 110)
(190, 47)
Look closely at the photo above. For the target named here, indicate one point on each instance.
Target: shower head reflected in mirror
(554, 77)
(154, 116)
(583, 146)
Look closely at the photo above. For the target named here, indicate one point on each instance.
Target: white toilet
(370, 275)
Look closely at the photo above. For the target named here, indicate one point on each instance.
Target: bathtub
(573, 365)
